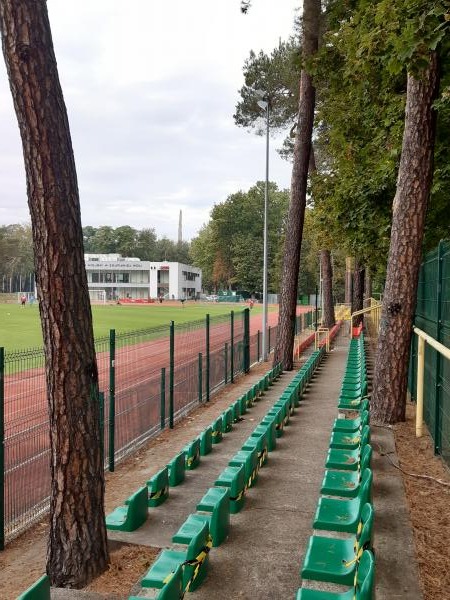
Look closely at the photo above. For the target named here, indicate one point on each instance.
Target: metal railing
(373, 313)
(424, 338)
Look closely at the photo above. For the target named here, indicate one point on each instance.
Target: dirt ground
(23, 562)
(429, 507)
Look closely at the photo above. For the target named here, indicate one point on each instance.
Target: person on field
(23, 300)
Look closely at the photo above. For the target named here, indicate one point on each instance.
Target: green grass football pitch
(20, 327)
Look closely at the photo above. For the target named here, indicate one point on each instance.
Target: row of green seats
(134, 512)
(177, 571)
(345, 506)
(354, 383)
(168, 574)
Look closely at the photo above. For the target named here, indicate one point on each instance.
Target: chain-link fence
(433, 317)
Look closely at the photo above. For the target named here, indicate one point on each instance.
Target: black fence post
(101, 402)
(225, 361)
(2, 448)
(112, 397)
(163, 397)
(171, 371)
(438, 375)
(207, 358)
(268, 339)
(258, 334)
(200, 377)
(232, 346)
(246, 340)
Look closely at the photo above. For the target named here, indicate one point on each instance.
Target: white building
(112, 277)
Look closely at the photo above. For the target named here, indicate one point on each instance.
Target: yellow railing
(373, 312)
(317, 335)
(424, 337)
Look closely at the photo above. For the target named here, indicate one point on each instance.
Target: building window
(95, 277)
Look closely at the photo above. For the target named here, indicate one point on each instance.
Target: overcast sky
(150, 88)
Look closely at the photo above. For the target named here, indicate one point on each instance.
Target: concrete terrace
(264, 553)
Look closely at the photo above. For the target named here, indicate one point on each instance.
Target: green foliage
(16, 252)
(229, 249)
(360, 73)
(130, 242)
(277, 75)
(360, 78)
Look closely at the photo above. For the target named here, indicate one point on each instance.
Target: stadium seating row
(177, 571)
(345, 504)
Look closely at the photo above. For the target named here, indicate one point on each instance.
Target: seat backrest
(365, 577)
(366, 457)
(365, 528)
(198, 542)
(365, 490)
(174, 587)
(365, 436)
(139, 498)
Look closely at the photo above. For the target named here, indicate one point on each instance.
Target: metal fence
(149, 379)
(433, 317)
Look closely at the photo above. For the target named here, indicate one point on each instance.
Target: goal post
(97, 296)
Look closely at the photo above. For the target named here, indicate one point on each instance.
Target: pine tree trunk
(348, 280)
(328, 318)
(296, 214)
(409, 210)
(77, 549)
(368, 285)
(358, 291)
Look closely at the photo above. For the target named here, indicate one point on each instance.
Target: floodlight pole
(265, 349)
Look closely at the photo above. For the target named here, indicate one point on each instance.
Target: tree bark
(77, 549)
(358, 291)
(409, 210)
(296, 214)
(368, 285)
(328, 317)
(348, 280)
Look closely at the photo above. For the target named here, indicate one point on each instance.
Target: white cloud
(150, 89)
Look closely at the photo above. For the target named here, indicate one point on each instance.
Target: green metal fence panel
(433, 317)
(130, 367)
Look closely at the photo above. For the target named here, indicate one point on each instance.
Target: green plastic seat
(172, 589)
(193, 560)
(335, 560)
(354, 404)
(192, 452)
(234, 479)
(352, 425)
(217, 430)
(227, 420)
(158, 488)
(216, 503)
(344, 460)
(270, 423)
(236, 411)
(40, 590)
(248, 458)
(362, 590)
(255, 392)
(343, 440)
(258, 440)
(277, 413)
(346, 483)
(177, 469)
(343, 515)
(205, 441)
(132, 515)
(242, 404)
